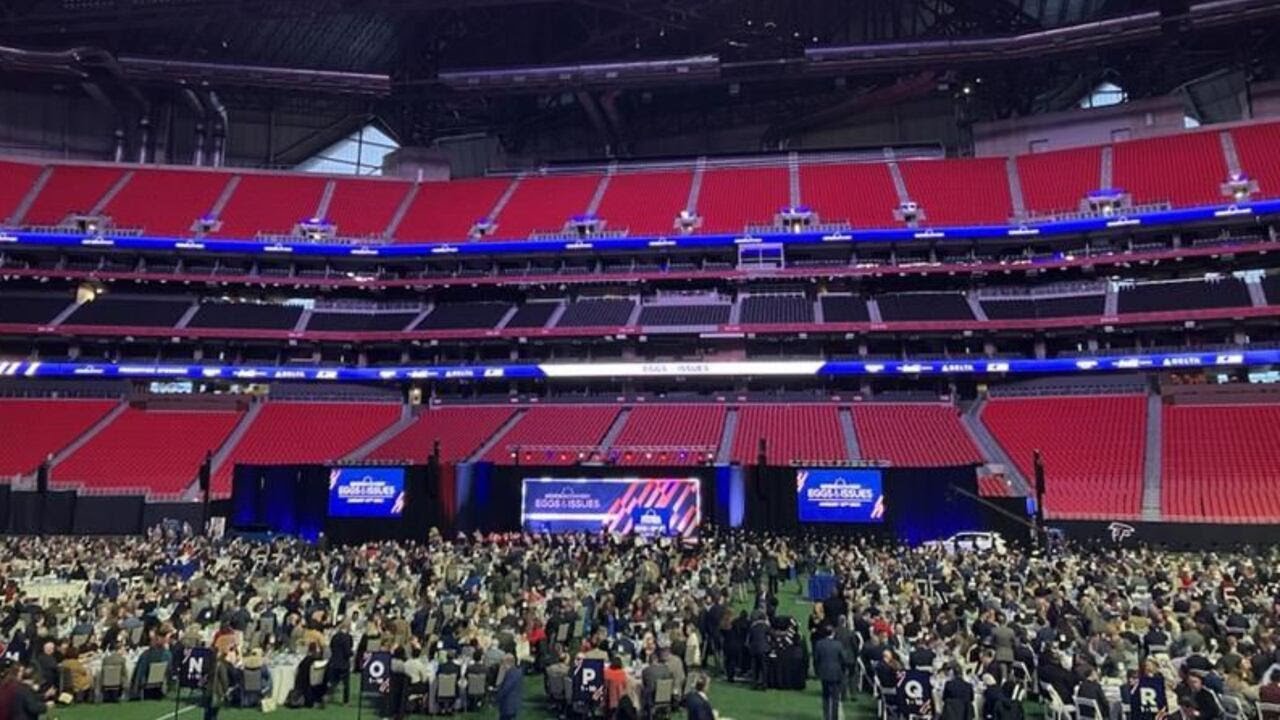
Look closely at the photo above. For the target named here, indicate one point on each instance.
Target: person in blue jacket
(509, 694)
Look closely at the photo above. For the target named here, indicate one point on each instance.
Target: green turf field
(734, 702)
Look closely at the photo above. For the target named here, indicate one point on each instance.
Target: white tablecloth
(283, 670)
(45, 590)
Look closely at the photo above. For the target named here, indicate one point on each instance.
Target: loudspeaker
(206, 472)
(42, 477)
(1038, 463)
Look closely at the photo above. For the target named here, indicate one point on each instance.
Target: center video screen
(830, 495)
(645, 506)
(366, 492)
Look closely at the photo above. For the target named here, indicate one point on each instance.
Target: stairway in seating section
(1152, 461)
(850, 434)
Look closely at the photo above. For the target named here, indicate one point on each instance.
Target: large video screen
(645, 506)
(830, 495)
(372, 492)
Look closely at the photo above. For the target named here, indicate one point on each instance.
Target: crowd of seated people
(96, 620)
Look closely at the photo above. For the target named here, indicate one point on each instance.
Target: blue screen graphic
(374, 492)
(839, 496)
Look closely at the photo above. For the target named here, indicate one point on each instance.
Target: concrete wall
(1075, 128)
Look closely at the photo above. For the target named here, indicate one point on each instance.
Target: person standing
(341, 651)
(697, 706)
(510, 690)
(830, 660)
(758, 647)
(218, 684)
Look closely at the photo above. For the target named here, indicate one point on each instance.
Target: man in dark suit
(830, 660)
(849, 641)
(341, 649)
(1091, 689)
(1061, 679)
(957, 696)
(508, 696)
(697, 706)
(758, 647)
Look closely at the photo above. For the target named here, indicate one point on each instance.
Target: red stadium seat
(158, 450)
(166, 202)
(1220, 463)
(460, 430)
(913, 435)
(16, 180)
(1258, 147)
(1056, 182)
(959, 192)
(71, 190)
(30, 430)
(793, 433)
(270, 205)
(364, 208)
(1093, 449)
(446, 211)
(1184, 170)
(645, 203)
(305, 432)
(545, 204)
(546, 433)
(861, 194)
(732, 199)
(676, 427)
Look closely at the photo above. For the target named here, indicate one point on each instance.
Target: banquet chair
(446, 693)
(157, 675)
(1268, 711)
(886, 700)
(1087, 709)
(555, 689)
(111, 683)
(664, 692)
(251, 688)
(1055, 708)
(477, 687)
(1232, 708)
(316, 679)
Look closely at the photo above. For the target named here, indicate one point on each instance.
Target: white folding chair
(1088, 709)
(1054, 706)
(1268, 711)
(1232, 708)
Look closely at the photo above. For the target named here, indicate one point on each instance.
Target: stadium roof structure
(435, 68)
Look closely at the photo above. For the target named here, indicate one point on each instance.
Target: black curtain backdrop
(1174, 536)
(294, 500)
(109, 515)
(63, 513)
(30, 513)
(493, 501)
(920, 504)
(191, 513)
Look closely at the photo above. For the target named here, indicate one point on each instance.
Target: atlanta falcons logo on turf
(1120, 531)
